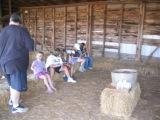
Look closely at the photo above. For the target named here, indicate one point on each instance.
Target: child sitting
(88, 65)
(77, 57)
(54, 63)
(38, 67)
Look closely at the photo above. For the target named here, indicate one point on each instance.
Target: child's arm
(32, 66)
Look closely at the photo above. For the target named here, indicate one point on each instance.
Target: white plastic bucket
(129, 75)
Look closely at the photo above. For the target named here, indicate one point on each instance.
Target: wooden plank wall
(0, 14)
(96, 23)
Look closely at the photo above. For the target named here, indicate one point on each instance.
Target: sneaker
(19, 109)
(81, 69)
(3, 77)
(71, 80)
(65, 78)
(90, 68)
(74, 78)
(10, 102)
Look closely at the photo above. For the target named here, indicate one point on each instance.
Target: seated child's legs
(72, 70)
(90, 62)
(51, 71)
(50, 82)
(86, 64)
(46, 82)
(65, 69)
(82, 61)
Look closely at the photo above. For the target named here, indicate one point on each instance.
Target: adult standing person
(15, 44)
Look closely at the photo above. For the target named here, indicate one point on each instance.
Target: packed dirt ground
(81, 101)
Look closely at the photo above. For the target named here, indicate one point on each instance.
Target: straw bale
(33, 87)
(4, 95)
(119, 103)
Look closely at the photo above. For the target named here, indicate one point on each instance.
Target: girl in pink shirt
(38, 67)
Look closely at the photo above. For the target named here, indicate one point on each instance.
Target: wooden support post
(53, 29)
(65, 29)
(104, 29)
(140, 31)
(1, 15)
(35, 31)
(120, 31)
(10, 6)
(76, 24)
(89, 27)
(43, 40)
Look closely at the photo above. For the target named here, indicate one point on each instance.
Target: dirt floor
(81, 101)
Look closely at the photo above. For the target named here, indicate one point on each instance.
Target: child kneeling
(38, 67)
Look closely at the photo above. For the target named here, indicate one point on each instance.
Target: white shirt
(53, 60)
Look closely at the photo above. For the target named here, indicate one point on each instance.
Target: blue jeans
(88, 62)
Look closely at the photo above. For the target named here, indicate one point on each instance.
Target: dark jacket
(15, 44)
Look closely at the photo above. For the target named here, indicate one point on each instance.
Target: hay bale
(34, 87)
(4, 95)
(119, 103)
(58, 77)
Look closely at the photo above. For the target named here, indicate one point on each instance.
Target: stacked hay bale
(119, 103)
(4, 95)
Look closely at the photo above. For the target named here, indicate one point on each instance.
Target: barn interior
(119, 34)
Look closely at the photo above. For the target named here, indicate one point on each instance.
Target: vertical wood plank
(0, 14)
(0, 8)
(35, 31)
(89, 27)
(10, 6)
(140, 31)
(29, 24)
(104, 29)
(65, 29)
(43, 40)
(53, 28)
(87, 33)
(76, 24)
(120, 30)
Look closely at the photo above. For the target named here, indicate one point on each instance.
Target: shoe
(90, 68)
(65, 78)
(10, 102)
(19, 109)
(74, 78)
(3, 77)
(81, 69)
(71, 80)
